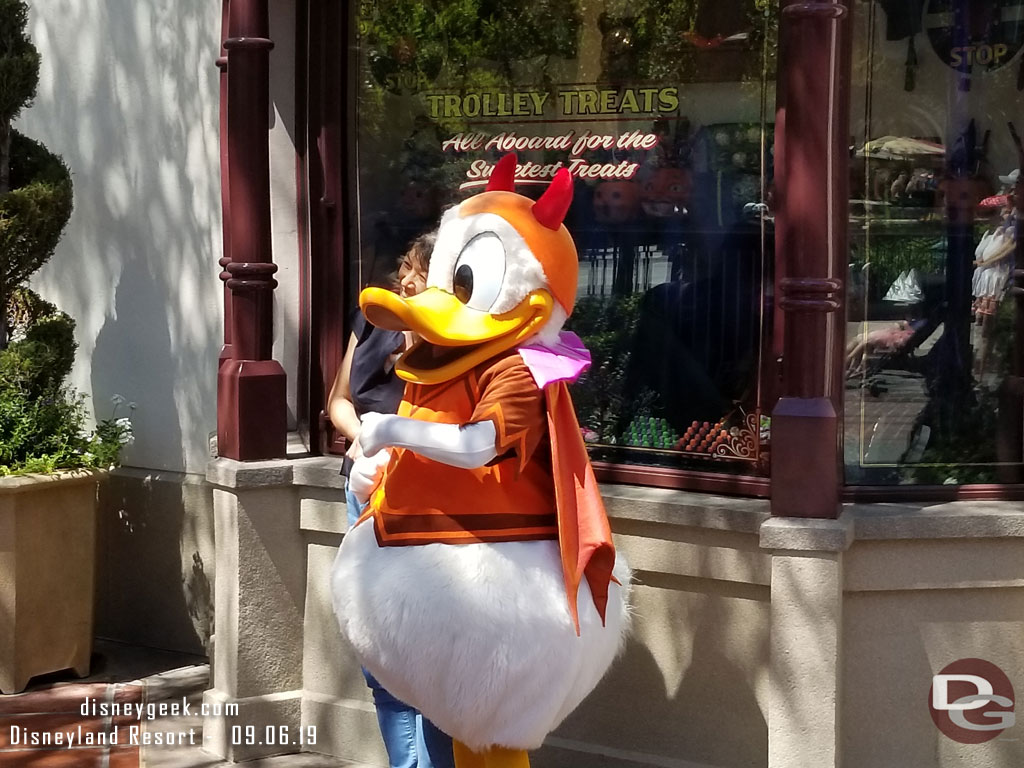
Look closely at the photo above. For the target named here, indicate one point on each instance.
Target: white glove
(461, 445)
(366, 474)
(373, 431)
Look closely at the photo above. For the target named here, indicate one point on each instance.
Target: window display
(663, 113)
(930, 393)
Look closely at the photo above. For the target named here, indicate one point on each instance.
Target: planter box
(47, 575)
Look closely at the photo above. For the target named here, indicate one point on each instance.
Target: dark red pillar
(1010, 434)
(225, 197)
(251, 395)
(812, 179)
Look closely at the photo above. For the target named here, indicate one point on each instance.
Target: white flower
(117, 400)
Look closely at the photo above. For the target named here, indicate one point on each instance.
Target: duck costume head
(481, 585)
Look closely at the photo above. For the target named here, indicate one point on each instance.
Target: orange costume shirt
(539, 486)
(512, 498)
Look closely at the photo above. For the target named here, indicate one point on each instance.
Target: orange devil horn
(550, 210)
(503, 177)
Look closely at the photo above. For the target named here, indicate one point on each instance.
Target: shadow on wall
(128, 96)
(155, 579)
(696, 701)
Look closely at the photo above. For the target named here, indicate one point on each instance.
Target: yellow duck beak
(453, 337)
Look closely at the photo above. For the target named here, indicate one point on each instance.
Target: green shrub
(42, 421)
(33, 213)
(606, 325)
(19, 60)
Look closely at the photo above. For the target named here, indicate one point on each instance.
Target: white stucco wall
(129, 97)
(283, 191)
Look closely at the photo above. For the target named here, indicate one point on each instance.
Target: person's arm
(1005, 252)
(340, 409)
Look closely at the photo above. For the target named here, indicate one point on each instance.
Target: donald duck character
(481, 585)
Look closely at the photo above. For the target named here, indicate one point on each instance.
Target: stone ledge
(320, 472)
(228, 473)
(323, 511)
(949, 520)
(702, 558)
(315, 471)
(806, 534)
(882, 521)
(626, 502)
(685, 508)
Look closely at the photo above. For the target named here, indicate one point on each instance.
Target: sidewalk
(125, 675)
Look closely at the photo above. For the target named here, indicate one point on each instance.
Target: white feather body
(478, 637)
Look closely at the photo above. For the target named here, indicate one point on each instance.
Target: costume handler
(481, 585)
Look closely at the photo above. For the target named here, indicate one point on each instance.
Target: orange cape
(584, 536)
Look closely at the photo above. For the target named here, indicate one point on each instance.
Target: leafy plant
(606, 326)
(35, 185)
(42, 421)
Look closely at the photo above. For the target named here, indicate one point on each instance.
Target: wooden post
(225, 197)
(251, 395)
(812, 180)
(1010, 436)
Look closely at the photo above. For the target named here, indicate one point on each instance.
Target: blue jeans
(410, 739)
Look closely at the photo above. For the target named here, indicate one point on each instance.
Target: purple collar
(565, 360)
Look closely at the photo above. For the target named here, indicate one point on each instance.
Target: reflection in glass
(663, 112)
(931, 396)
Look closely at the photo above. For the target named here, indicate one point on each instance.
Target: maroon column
(1010, 434)
(812, 179)
(225, 197)
(251, 395)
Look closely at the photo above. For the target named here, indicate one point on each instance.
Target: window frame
(326, 168)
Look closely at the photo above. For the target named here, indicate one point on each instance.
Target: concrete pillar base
(261, 726)
(260, 596)
(805, 640)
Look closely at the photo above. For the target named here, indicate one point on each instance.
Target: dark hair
(417, 256)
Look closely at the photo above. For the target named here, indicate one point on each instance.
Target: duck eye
(462, 283)
(479, 272)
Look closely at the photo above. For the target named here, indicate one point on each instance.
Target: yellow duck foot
(495, 757)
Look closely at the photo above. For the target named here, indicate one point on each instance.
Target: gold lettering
(669, 98)
(569, 99)
(648, 94)
(588, 102)
(435, 100)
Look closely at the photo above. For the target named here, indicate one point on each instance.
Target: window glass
(663, 111)
(930, 392)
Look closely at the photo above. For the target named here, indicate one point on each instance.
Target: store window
(932, 394)
(663, 111)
